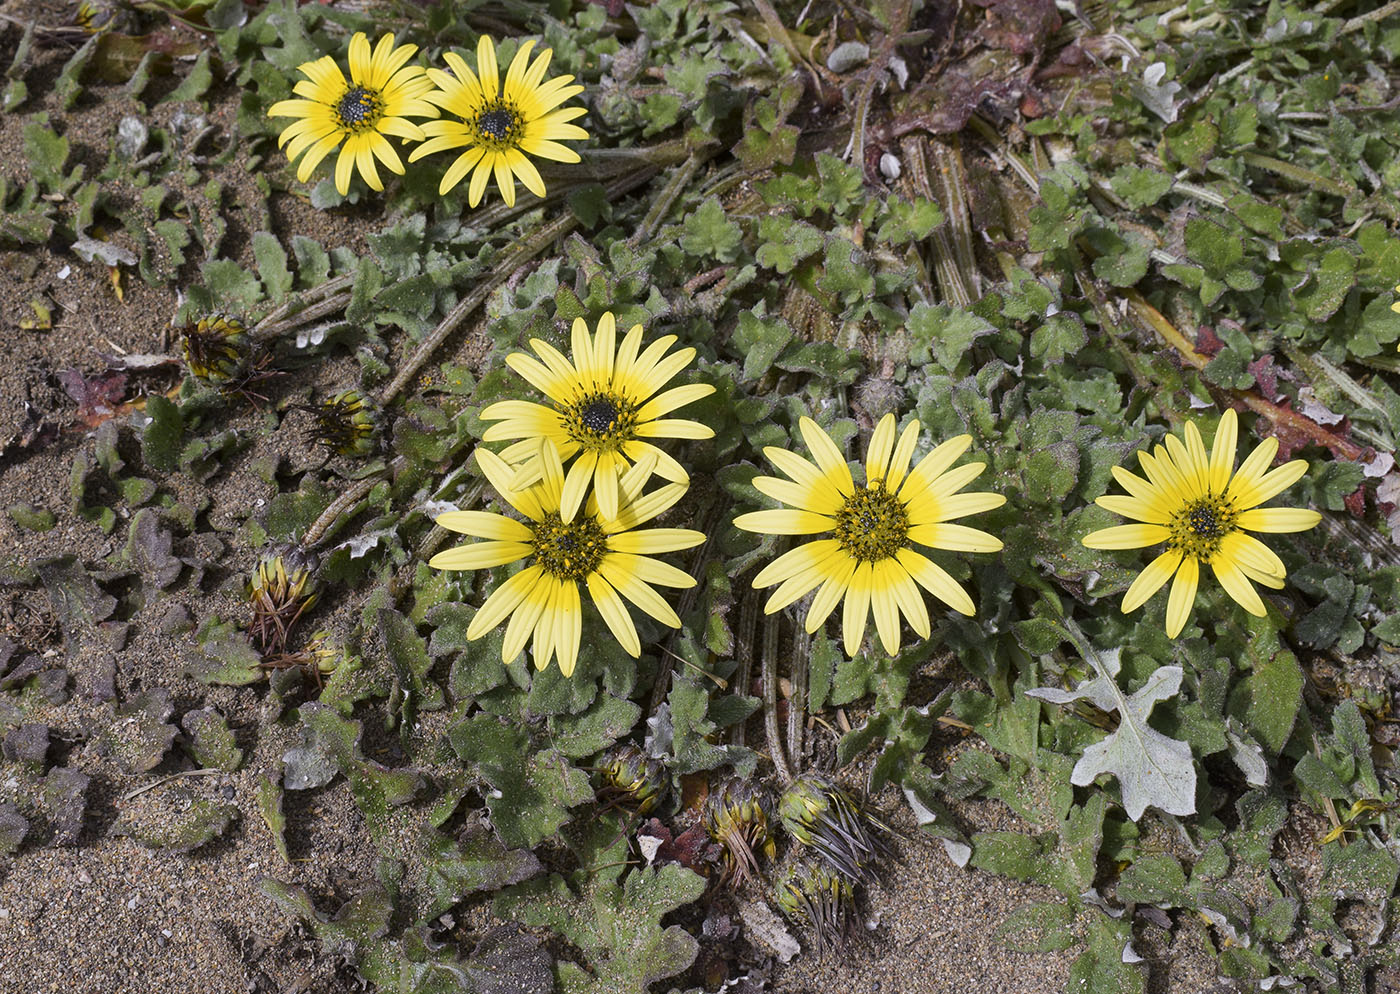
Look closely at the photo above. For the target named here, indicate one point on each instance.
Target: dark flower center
(497, 123)
(572, 550)
(1204, 522)
(600, 422)
(360, 108)
(1198, 527)
(873, 524)
(599, 415)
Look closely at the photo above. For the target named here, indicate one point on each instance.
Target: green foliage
(533, 791)
(613, 919)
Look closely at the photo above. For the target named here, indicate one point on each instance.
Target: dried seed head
(809, 893)
(819, 814)
(323, 655)
(345, 424)
(739, 817)
(217, 350)
(281, 591)
(634, 779)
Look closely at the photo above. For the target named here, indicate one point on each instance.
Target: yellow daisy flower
(605, 552)
(604, 411)
(1190, 502)
(870, 559)
(501, 124)
(381, 95)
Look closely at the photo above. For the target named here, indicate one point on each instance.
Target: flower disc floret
(501, 123)
(870, 560)
(606, 406)
(1201, 510)
(872, 524)
(569, 550)
(383, 92)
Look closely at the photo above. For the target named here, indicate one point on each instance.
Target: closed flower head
(500, 124)
(869, 558)
(605, 410)
(607, 553)
(380, 96)
(1192, 505)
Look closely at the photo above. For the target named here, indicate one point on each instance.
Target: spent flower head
(605, 410)
(739, 816)
(608, 553)
(869, 558)
(809, 893)
(383, 92)
(217, 349)
(819, 814)
(501, 123)
(345, 423)
(282, 589)
(1191, 504)
(634, 779)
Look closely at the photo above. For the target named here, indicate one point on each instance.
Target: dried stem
(358, 491)
(797, 702)
(770, 700)
(744, 652)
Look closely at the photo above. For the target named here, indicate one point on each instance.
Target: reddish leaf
(1265, 374)
(687, 849)
(1208, 343)
(1019, 26)
(97, 398)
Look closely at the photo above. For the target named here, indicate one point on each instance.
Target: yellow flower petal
(1279, 519)
(784, 521)
(480, 555)
(1182, 596)
(503, 600)
(614, 613)
(1150, 580)
(1222, 452)
(936, 581)
(827, 455)
(956, 538)
(485, 524)
(1126, 537)
(857, 607)
(569, 627)
(877, 457)
(1237, 585)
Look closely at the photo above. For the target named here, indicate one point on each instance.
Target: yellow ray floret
(869, 558)
(382, 94)
(500, 124)
(609, 554)
(1192, 504)
(606, 411)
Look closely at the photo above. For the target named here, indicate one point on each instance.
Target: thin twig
(1361, 20)
(670, 191)
(312, 312)
(165, 780)
(797, 701)
(358, 491)
(770, 700)
(268, 325)
(1154, 319)
(744, 649)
